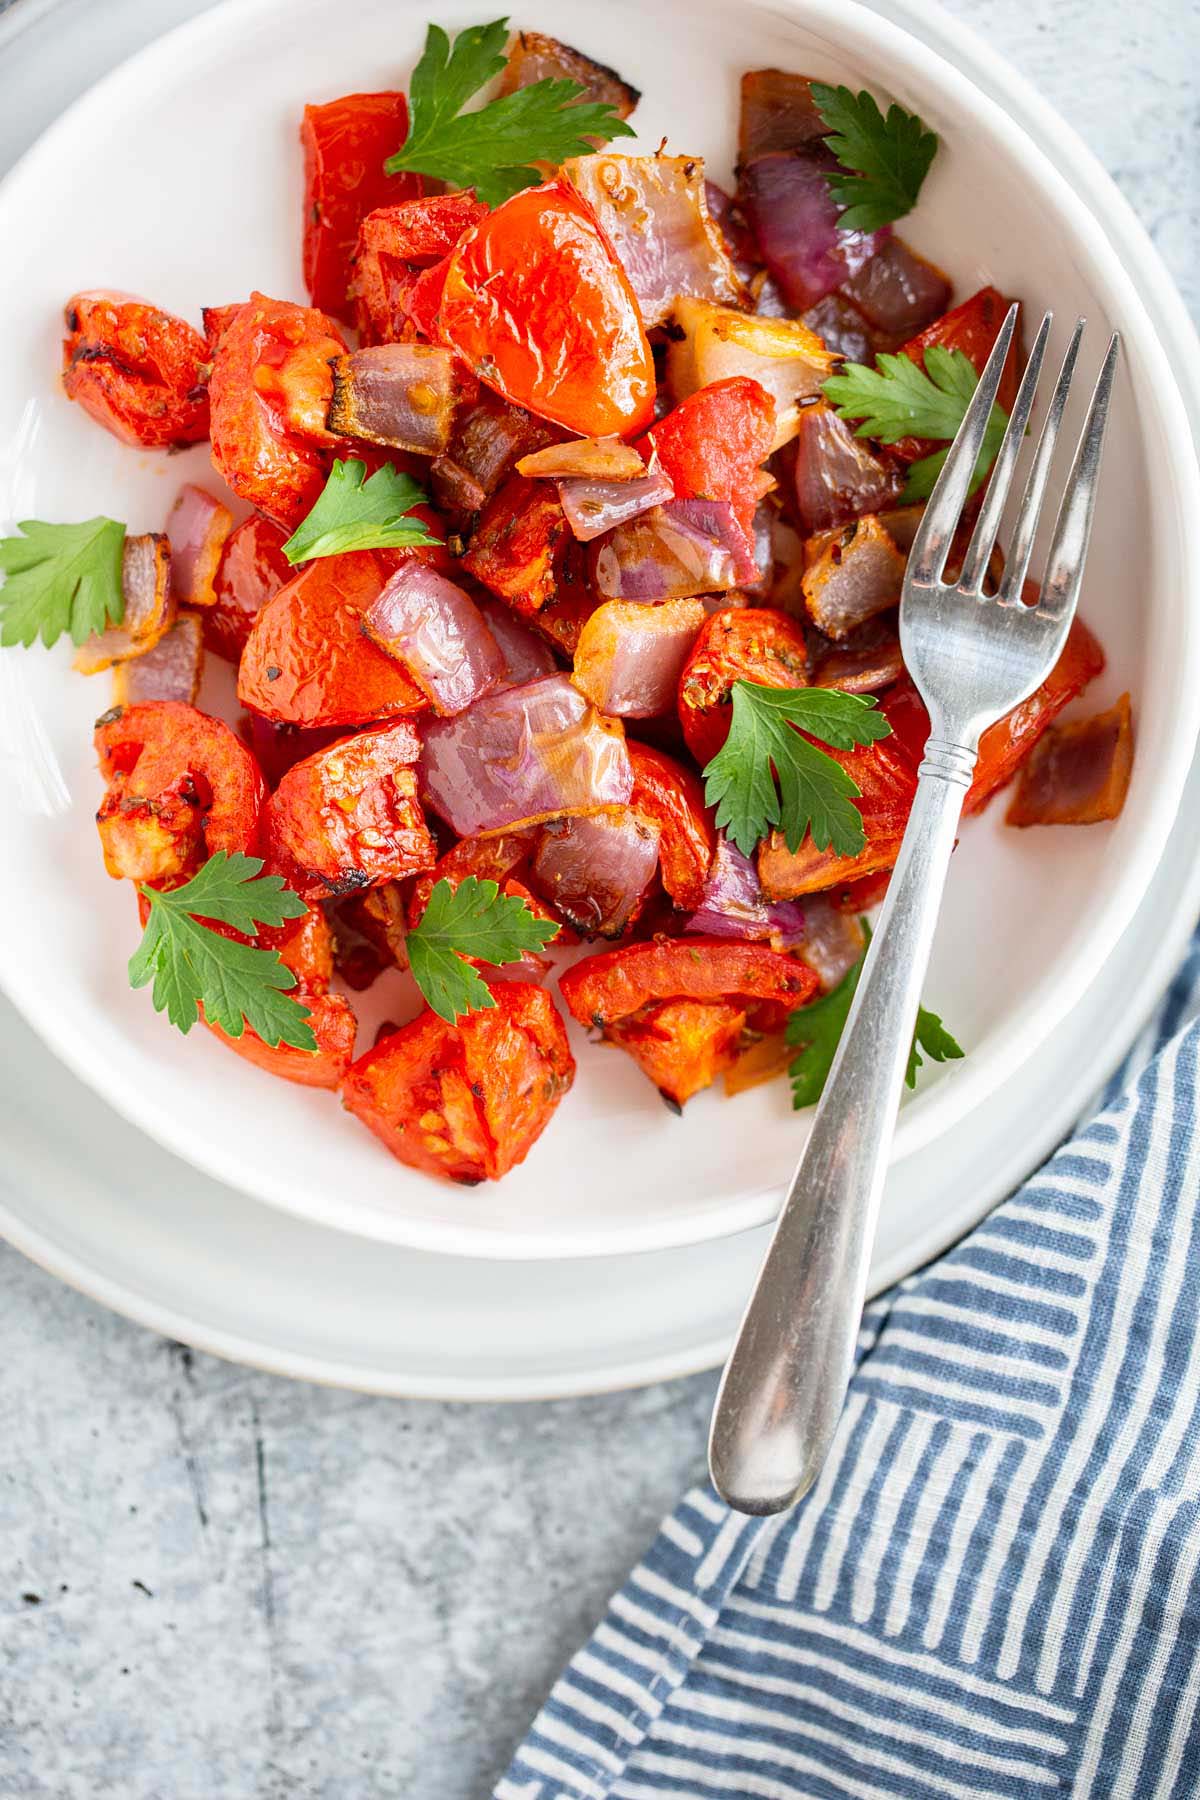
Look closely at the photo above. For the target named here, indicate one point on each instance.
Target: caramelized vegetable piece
(778, 112)
(898, 293)
(169, 671)
(853, 573)
(180, 786)
(596, 870)
(516, 547)
(346, 143)
(654, 211)
(252, 568)
(466, 1101)
(672, 796)
(486, 442)
(751, 643)
(1078, 774)
(139, 371)
(630, 656)
(714, 443)
(401, 395)
(785, 358)
(535, 57)
(972, 328)
(349, 818)
(836, 477)
(537, 304)
(198, 528)
(149, 606)
(307, 660)
(681, 1045)
(395, 244)
(270, 391)
(609, 987)
(866, 661)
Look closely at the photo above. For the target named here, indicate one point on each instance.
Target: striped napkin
(994, 1588)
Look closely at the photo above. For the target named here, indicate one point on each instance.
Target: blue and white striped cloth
(994, 1588)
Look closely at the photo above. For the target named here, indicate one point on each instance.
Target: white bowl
(151, 184)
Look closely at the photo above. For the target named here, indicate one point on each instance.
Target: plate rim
(1011, 1043)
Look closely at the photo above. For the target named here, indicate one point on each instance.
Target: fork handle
(785, 1381)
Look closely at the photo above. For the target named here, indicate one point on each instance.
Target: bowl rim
(850, 27)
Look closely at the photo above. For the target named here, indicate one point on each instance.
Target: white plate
(215, 210)
(186, 1257)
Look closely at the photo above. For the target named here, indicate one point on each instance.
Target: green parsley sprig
(61, 578)
(473, 919)
(815, 1030)
(884, 160)
(193, 966)
(494, 149)
(357, 512)
(900, 399)
(767, 775)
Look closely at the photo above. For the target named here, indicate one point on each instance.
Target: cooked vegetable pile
(557, 546)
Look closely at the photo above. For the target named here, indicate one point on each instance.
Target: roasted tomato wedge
(682, 1045)
(349, 817)
(180, 786)
(713, 444)
(1005, 745)
(346, 143)
(972, 328)
(537, 304)
(396, 244)
(519, 543)
(747, 643)
(269, 392)
(466, 1101)
(602, 989)
(252, 568)
(670, 795)
(140, 372)
(307, 660)
(334, 1026)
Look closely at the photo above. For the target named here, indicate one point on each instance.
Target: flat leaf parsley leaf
(884, 160)
(900, 399)
(767, 774)
(474, 919)
(61, 578)
(816, 1030)
(492, 150)
(191, 965)
(357, 513)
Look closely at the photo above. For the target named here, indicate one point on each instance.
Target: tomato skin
(616, 983)
(714, 443)
(395, 244)
(269, 392)
(138, 371)
(681, 1045)
(518, 544)
(972, 328)
(673, 797)
(1005, 745)
(745, 643)
(180, 786)
(348, 817)
(537, 304)
(252, 568)
(327, 671)
(466, 1101)
(346, 143)
(334, 1026)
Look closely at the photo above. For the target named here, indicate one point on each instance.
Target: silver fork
(972, 659)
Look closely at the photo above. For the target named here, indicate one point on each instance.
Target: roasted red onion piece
(866, 661)
(599, 459)
(523, 755)
(853, 572)
(734, 907)
(654, 210)
(782, 355)
(197, 526)
(1078, 773)
(439, 635)
(672, 552)
(841, 328)
(787, 203)
(630, 656)
(778, 113)
(402, 395)
(595, 870)
(898, 293)
(171, 671)
(594, 507)
(833, 939)
(488, 439)
(149, 606)
(526, 655)
(837, 476)
(535, 57)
